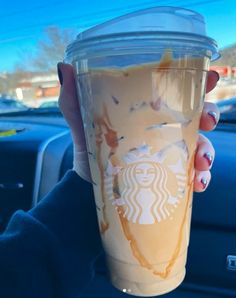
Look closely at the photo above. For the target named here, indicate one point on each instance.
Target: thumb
(69, 106)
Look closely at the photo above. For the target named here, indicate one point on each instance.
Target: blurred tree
(51, 49)
(228, 57)
(9, 82)
(48, 51)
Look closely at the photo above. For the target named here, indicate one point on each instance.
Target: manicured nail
(204, 183)
(208, 157)
(60, 76)
(213, 116)
(216, 74)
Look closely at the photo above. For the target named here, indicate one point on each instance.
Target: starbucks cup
(141, 82)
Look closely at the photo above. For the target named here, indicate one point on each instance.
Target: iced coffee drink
(141, 130)
(141, 106)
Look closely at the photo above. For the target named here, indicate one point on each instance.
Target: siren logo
(145, 192)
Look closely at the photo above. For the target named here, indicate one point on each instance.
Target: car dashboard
(38, 152)
(35, 152)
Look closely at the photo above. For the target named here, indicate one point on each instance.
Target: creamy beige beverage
(141, 82)
(141, 128)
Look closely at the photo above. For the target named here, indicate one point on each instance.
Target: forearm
(42, 252)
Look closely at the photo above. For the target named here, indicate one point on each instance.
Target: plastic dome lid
(152, 19)
(159, 23)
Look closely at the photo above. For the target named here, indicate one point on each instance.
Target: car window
(37, 149)
(36, 37)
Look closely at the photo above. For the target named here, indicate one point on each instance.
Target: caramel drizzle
(103, 225)
(166, 60)
(133, 243)
(178, 246)
(112, 141)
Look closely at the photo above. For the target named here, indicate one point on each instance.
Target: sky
(23, 22)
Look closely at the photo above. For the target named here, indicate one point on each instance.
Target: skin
(68, 103)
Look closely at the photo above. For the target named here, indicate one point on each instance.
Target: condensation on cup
(141, 82)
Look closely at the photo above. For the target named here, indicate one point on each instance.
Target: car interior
(36, 151)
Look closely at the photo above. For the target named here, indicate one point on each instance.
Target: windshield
(33, 39)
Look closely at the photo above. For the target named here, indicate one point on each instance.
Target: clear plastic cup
(141, 83)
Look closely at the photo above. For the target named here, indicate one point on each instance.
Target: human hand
(69, 105)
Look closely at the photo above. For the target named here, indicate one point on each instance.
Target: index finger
(212, 79)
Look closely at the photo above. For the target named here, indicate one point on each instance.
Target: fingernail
(204, 183)
(60, 76)
(216, 74)
(208, 157)
(213, 116)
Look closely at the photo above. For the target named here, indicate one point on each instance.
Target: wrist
(81, 164)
